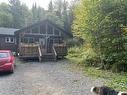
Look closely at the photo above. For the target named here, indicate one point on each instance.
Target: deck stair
(47, 56)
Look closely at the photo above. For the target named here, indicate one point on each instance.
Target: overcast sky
(42, 3)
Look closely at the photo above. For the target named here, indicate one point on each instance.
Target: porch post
(46, 37)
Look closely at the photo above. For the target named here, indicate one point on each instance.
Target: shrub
(74, 42)
(83, 55)
(116, 62)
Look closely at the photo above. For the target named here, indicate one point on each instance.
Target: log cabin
(7, 39)
(44, 40)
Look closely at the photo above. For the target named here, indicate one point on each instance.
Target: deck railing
(55, 53)
(39, 49)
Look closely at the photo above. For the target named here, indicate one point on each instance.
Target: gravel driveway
(47, 78)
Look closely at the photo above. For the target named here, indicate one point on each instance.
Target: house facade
(45, 33)
(41, 39)
(7, 39)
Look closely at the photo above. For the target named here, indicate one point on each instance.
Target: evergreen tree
(20, 14)
(5, 16)
(50, 6)
(15, 10)
(66, 17)
(38, 13)
(100, 23)
(58, 7)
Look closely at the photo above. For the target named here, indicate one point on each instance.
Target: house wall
(44, 32)
(7, 46)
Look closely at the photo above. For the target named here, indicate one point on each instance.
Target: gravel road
(47, 78)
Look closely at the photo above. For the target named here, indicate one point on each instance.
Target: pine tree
(50, 6)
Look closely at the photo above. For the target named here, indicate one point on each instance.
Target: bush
(74, 42)
(83, 55)
(119, 67)
(116, 62)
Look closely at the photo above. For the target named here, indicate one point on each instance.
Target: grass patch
(116, 81)
(80, 55)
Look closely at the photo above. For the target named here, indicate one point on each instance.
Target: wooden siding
(7, 46)
(46, 35)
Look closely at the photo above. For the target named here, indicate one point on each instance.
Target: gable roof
(7, 31)
(38, 23)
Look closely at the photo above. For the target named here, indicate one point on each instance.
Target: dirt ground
(46, 78)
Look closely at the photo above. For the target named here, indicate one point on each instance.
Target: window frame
(9, 40)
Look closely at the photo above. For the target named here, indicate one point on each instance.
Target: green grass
(116, 81)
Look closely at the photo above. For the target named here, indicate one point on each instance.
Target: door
(42, 42)
(49, 45)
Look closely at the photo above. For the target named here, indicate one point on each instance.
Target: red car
(6, 61)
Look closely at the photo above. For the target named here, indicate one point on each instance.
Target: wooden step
(48, 57)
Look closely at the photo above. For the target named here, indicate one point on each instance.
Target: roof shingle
(7, 31)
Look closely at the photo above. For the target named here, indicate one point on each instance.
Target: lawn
(116, 81)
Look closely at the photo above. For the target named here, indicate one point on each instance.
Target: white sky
(42, 3)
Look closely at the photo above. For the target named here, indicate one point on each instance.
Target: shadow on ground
(5, 74)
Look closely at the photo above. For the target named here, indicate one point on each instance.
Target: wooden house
(43, 40)
(7, 39)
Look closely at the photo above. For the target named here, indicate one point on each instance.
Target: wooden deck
(35, 51)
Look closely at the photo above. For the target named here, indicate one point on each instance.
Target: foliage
(101, 24)
(82, 55)
(38, 13)
(5, 15)
(73, 42)
(62, 11)
(110, 79)
(18, 15)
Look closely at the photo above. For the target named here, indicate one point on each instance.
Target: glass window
(9, 40)
(50, 30)
(35, 30)
(12, 40)
(4, 55)
(56, 32)
(31, 40)
(43, 29)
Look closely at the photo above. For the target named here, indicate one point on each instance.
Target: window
(9, 40)
(58, 40)
(28, 40)
(4, 55)
(35, 30)
(56, 32)
(43, 29)
(50, 30)
(31, 40)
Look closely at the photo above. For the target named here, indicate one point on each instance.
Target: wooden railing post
(55, 53)
(40, 53)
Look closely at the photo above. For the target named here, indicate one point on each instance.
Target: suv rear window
(4, 54)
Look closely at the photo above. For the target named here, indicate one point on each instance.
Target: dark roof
(57, 26)
(7, 31)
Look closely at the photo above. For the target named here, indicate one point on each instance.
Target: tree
(98, 23)
(15, 9)
(20, 14)
(66, 16)
(59, 11)
(50, 6)
(5, 15)
(58, 7)
(38, 13)
(26, 16)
